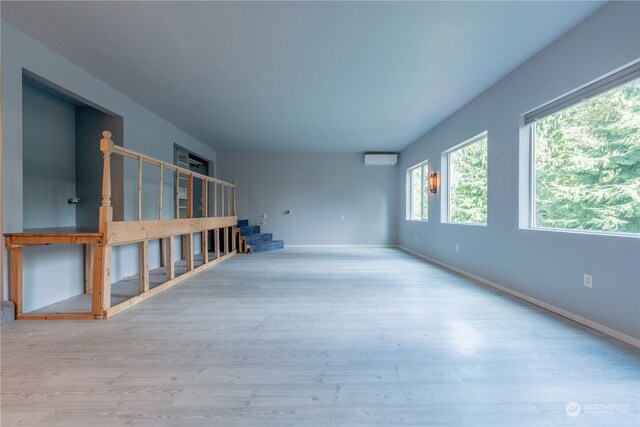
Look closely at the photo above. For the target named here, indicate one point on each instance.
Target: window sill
(473, 224)
(581, 232)
(417, 220)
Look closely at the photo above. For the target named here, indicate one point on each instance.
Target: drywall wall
(49, 160)
(89, 126)
(545, 265)
(143, 131)
(318, 189)
(49, 163)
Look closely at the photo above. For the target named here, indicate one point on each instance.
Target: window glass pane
(425, 191)
(416, 193)
(468, 183)
(587, 164)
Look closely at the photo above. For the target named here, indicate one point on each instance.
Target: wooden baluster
(222, 212)
(101, 295)
(215, 198)
(190, 196)
(205, 204)
(177, 194)
(139, 188)
(233, 189)
(160, 192)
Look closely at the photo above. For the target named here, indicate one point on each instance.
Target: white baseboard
(564, 313)
(340, 246)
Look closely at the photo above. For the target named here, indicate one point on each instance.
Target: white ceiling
(299, 76)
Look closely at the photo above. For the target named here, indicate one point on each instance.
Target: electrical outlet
(588, 280)
(457, 247)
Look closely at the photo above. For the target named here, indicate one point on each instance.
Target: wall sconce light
(433, 182)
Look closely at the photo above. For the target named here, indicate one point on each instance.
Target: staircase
(252, 240)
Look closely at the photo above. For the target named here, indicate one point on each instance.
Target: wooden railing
(110, 233)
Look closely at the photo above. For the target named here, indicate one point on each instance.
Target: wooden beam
(143, 265)
(120, 232)
(57, 316)
(101, 295)
(15, 277)
(167, 243)
(88, 268)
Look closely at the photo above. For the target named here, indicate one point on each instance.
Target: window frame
(446, 174)
(579, 95)
(424, 186)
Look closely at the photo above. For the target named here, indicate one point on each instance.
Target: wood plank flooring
(319, 337)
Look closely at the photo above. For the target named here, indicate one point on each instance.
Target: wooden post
(139, 188)
(226, 240)
(189, 254)
(234, 237)
(101, 295)
(190, 196)
(205, 246)
(160, 192)
(143, 265)
(88, 268)
(15, 277)
(168, 257)
(216, 242)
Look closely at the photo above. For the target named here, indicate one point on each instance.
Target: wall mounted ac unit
(380, 159)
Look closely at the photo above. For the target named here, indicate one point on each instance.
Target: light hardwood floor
(319, 337)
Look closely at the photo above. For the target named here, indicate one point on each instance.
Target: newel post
(106, 211)
(101, 280)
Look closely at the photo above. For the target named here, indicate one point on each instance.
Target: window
(467, 181)
(586, 159)
(418, 180)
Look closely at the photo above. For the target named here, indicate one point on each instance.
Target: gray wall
(50, 180)
(49, 160)
(318, 189)
(143, 131)
(545, 265)
(89, 126)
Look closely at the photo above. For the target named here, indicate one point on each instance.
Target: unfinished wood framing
(99, 245)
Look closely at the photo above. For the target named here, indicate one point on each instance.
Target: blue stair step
(257, 238)
(267, 246)
(252, 229)
(243, 223)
